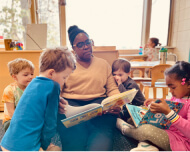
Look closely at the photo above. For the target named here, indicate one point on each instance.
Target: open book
(142, 115)
(76, 115)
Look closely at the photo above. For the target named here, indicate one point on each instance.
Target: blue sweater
(35, 119)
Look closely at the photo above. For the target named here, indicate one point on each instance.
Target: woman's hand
(62, 104)
(161, 107)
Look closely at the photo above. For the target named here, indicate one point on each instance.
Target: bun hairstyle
(180, 70)
(155, 41)
(73, 31)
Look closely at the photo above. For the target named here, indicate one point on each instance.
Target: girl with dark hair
(150, 50)
(177, 137)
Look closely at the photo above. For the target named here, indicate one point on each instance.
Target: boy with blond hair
(34, 122)
(22, 71)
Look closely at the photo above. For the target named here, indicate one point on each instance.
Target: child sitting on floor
(121, 71)
(177, 137)
(34, 122)
(22, 71)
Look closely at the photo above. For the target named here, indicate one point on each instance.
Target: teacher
(91, 82)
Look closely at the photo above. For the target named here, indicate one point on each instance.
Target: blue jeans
(93, 135)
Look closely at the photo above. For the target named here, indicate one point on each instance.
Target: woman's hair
(18, 65)
(122, 64)
(155, 41)
(73, 31)
(56, 58)
(180, 70)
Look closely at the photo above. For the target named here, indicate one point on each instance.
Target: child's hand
(114, 111)
(161, 107)
(118, 79)
(62, 104)
(148, 102)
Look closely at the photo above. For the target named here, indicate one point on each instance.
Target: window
(160, 20)
(48, 13)
(108, 22)
(14, 16)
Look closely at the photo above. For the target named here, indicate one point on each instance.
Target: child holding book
(34, 121)
(22, 71)
(177, 137)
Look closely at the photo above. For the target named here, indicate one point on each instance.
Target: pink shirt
(179, 131)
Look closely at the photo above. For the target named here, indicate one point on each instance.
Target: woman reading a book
(177, 137)
(91, 82)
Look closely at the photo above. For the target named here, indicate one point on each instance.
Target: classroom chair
(157, 72)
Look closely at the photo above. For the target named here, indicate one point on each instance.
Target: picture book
(76, 115)
(142, 115)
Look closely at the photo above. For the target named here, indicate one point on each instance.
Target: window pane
(108, 22)
(14, 16)
(160, 20)
(49, 14)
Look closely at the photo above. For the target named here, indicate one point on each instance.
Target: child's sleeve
(8, 95)
(181, 123)
(50, 122)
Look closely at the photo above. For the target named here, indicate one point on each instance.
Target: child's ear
(14, 77)
(50, 73)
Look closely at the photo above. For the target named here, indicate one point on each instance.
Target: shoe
(122, 125)
(144, 146)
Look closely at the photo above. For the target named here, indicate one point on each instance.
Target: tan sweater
(92, 82)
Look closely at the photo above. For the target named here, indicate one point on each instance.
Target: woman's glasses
(81, 45)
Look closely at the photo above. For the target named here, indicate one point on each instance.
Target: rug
(1, 130)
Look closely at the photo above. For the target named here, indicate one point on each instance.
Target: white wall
(181, 29)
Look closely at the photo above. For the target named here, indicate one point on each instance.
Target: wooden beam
(147, 6)
(62, 19)
(33, 12)
(170, 29)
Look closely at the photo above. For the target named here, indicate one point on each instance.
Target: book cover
(142, 115)
(76, 115)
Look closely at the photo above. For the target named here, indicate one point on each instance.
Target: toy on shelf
(19, 46)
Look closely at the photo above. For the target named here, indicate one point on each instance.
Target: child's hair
(155, 41)
(122, 64)
(58, 58)
(180, 70)
(19, 64)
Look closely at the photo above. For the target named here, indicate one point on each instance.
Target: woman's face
(82, 46)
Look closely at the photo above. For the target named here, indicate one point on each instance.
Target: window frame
(147, 8)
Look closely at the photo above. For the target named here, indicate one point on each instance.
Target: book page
(159, 119)
(73, 110)
(136, 113)
(82, 116)
(119, 99)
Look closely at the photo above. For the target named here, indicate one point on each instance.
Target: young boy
(35, 119)
(121, 71)
(22, 71)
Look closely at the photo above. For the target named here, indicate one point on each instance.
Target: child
(22, 71)
(35, 119)
(121, 71)
(150, 50)
(177, 137)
